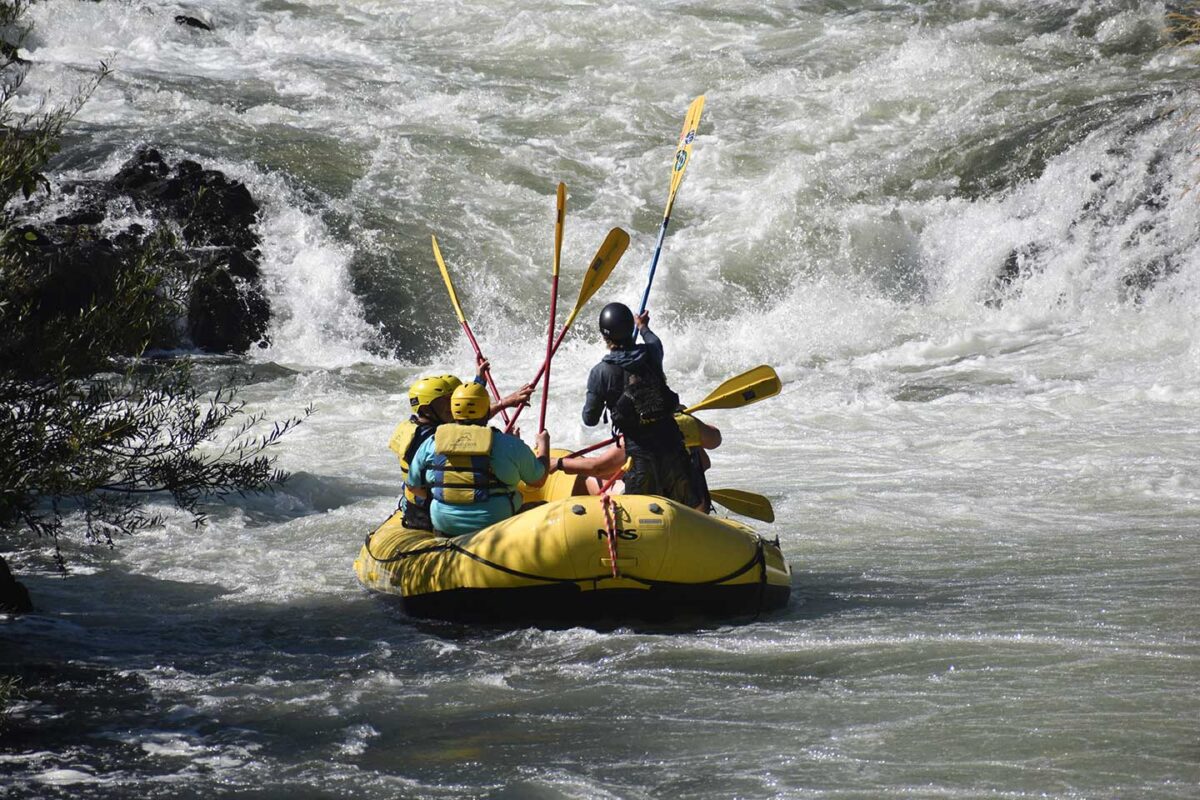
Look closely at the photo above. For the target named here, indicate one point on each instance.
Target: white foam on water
(316, 317)
(308, 270)
(1000, 487)
(67, 777)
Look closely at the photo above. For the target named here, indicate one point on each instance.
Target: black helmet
(616, 323)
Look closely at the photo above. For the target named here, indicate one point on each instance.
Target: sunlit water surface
(988, 488)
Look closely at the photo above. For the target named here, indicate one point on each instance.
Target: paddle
(437, 254)
(602, 265)
(747, 504)
(683, 155)
(558, 237)
(741, 390)
(597, 273)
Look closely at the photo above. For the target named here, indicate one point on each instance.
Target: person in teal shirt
(473, 470)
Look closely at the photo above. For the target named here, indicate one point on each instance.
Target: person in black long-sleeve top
(630, 385)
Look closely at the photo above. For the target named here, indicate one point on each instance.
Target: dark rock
(83, 216)
(224, 214)
(146, 167)
(213, 270)
(1143, 277)
(211, 209)
(188, 168)
(14, 597)
(192, 22)
(223, 316)
(131, 238)
(242, 266)
(85, 273)
(1146, 236)
(216, 215)
(1018, 265)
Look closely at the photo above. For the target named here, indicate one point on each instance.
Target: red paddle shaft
(487, 373)
(550, 348)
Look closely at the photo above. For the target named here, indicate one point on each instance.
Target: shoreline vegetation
(1183, 24)
(99, 412)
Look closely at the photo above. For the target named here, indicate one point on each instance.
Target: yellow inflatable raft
(555, 563)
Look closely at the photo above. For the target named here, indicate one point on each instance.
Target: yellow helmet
(426, 390)
(470, 402)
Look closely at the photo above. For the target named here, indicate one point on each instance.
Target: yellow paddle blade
(437, 254)
(742, 390)
(683, 153)
(558, 225)
(747, 504)
(604, 262)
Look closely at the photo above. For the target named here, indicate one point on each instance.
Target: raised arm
(593, 403)
(600, 466)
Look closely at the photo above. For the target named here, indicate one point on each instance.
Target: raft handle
(578, 509)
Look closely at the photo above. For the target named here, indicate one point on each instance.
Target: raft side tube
(553, 561)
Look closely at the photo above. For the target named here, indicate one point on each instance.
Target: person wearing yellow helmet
(472, 470)
(429, 398)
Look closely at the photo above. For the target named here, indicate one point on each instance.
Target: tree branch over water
(91, 425)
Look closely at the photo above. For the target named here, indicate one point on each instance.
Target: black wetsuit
(661, 465)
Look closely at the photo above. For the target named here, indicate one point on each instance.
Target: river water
(965, 233)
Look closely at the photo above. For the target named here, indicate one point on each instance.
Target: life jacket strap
(489, 486)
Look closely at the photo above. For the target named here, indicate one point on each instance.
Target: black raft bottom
(568, 605)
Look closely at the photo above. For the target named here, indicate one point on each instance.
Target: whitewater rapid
(965, 234)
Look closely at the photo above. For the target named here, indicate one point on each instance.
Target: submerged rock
(192, 22)
(1019, 264)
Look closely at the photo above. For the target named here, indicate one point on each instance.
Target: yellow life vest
(462, 464)
(408, 436)
(690, 428)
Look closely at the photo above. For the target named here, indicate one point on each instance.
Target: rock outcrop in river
(212, 261)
